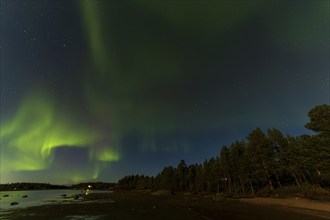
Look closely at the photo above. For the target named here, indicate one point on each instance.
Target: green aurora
(37, 128)
(160, 73)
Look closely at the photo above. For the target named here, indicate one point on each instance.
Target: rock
(14, 203)
(5, 195)
(24, 196)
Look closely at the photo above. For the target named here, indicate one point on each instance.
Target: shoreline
(290, 202)
(143, 205)
(300, 205)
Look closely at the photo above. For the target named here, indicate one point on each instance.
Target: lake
(40, 197)
(35, 197)
(27, 199)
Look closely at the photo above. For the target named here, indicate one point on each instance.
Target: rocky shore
(144, 205)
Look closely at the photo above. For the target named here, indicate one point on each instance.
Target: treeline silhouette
(46, 186)
(263, 161)
(94, 186)
(30, 186)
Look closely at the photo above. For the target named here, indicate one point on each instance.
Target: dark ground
(142, 205)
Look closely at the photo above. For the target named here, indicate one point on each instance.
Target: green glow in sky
(137, 95)
(36, 129)
(23, 136)
(128, 80)
(94, 31)
(108, 155)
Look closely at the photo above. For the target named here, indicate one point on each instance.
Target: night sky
(96, 90)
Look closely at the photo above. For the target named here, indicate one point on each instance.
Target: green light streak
(108, 155)
(133, 91)
(94, 31)
(22, 136)
(28, 139)
(67, 134)
(303, 29)
(76, 178)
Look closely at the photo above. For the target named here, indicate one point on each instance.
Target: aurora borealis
(96, 90)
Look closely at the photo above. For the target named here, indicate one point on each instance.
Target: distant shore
(143, 205)
(22, 186)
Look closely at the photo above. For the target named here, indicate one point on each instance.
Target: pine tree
(181, 176)
(237, 164)
(260, 155)
(320, 142)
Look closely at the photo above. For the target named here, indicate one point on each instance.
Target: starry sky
(96, 90)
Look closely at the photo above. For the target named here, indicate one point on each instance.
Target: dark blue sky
(95, 90)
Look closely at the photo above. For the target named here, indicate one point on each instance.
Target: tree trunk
(270, 184)
(251, 188)
(295, 178)
(310, 177)
(278, 180)
(242, 186)
(267, 175)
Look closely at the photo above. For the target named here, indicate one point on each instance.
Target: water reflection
(26, 199)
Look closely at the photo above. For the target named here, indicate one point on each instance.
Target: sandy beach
(143, 205)
(300, 205)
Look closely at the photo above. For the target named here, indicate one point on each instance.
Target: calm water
(35, 198)
(41, 197)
